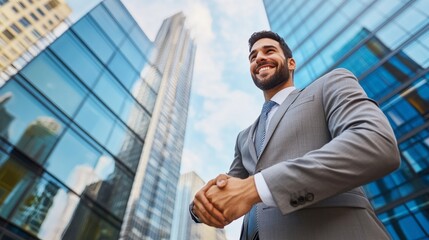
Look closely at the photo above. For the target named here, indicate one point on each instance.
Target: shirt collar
(282, 95)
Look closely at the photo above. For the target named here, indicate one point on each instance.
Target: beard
(280, 76)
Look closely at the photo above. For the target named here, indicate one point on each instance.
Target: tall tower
(91, 123)
(151, 204)
(23, 23)
(386, 45)
(183, 226)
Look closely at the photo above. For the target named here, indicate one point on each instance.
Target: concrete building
(183, 226)
(23, 23)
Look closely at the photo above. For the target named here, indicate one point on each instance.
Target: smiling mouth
(263, 69)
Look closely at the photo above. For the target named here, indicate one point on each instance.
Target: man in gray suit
(298, 170)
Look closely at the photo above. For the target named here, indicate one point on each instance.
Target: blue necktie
(260, 131)
(250, 221)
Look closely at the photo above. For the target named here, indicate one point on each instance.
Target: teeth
(263, 69)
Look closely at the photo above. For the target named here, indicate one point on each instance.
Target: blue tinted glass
(411, 229)
(392, 232)
(141, 41)
(73, 161)
(33, 132)
(120, 14)
(119, 136)
(15, 178)
(423, 218)
(95, 119)
(89, 224)
(134, 56)
(77, 57)
(56, 82)
(106, 22)
(146, 96)
(36, 207)
(113, 187)
(110, 92)
(123, 71)
(94, 38)
(139, 121)
(127, 148)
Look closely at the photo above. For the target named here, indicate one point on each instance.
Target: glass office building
(385, 43)
(88, 123)
(151, 205)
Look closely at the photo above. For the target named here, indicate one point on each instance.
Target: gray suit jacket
(323, 143)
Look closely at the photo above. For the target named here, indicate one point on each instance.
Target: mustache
(261, 64)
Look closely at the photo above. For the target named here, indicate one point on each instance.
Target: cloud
(224, 100)
(199, 21)
(232, 110)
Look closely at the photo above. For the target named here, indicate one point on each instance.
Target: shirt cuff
(264, 191)
(193, 216)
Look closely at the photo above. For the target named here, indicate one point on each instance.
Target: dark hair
(268, 34)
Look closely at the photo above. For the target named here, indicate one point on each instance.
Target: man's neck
(268, 94)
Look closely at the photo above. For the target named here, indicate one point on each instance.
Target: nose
(260, 57)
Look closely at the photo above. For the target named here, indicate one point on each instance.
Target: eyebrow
(263, 47)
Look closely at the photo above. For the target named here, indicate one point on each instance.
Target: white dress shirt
(261, 186)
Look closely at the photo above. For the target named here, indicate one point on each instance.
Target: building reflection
(74, 127)
(385, 44)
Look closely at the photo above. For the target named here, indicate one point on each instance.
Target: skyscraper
(23, 23)
(184, 227)
(92, 128)
(151, 203)
(386, 45)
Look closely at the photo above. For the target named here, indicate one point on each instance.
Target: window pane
(134, 56)
(95, 119)
(91, 34)
(94, 227)
(125, 146)
(73, 161)
(123, 71)
(113, 188)
(116, 9)
(55, 82)
(141, 41)
(145, 95)
(77, 57)
(106, 22)
(36, 204)
(33, 132)
(110, 92)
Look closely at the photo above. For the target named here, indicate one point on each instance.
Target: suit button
(293, 203)
(309, 197)
(301, 200)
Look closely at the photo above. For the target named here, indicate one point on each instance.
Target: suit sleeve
(363, 148)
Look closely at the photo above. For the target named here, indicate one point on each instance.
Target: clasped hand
(225, 199)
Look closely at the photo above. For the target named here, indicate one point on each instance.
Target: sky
(223, 98)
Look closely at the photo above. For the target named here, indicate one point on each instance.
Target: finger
(207, 208)
(221, 180)
(205, 215)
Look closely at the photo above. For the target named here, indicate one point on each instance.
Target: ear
(291, 63)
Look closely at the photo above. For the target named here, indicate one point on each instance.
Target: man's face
(268, 64)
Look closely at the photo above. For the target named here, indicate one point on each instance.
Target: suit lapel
(250, 138)
(279, 115)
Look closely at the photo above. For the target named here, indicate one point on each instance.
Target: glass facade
(76, 121)
(151, 205)
(385, 43)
